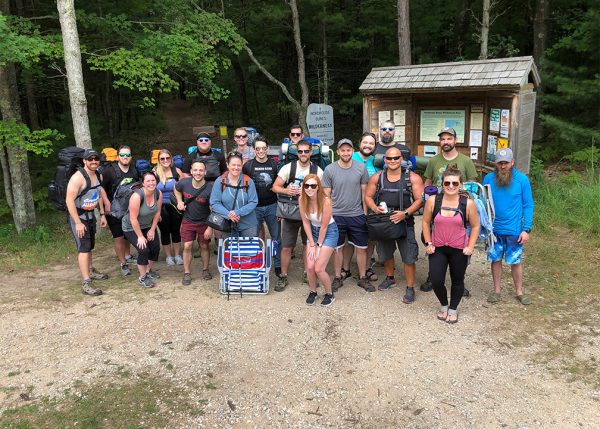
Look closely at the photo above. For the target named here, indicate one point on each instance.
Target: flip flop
(494, 297)
(524, 299)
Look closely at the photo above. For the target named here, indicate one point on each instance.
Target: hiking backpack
(70, 160)
(224, 183)
(120, 202)
(321, 154)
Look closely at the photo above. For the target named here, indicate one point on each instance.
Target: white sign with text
(319, 118)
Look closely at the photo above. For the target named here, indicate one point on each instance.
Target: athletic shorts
(508, 247)
(193, 231)
(408, 247)
(355, 228)
(86, 243)
(115, 226)
(289, 232)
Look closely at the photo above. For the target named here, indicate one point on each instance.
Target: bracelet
(102, 214)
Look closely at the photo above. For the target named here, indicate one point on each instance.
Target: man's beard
(366, 154)
(387, 139)
(447, 148)
(503, 177)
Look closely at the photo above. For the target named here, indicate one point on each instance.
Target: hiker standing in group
(296, 134)
(193, 199)
(344, 181)
(240, 135)
(387, 131)
(436, 166)
(263, 171)
(139, 227)
(288, 187)
(116, 174)
(234, 197)
(170, 219)
(213, 159)
(84, 194)
(322, 236)
(401, 190)
(447, 243)
(513, 205)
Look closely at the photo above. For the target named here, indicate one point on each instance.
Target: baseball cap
(343, 142)
(88, 153)
(203, 135)
(448, 130)
(504, 155)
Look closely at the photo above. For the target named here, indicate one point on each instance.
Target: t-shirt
(437, 165)
(264, 175)
(214, 161)
(301, 172)
(345, 184)
(371, 169)
(111, 178)
(196, 211)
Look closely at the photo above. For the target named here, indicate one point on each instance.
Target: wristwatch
(527, 231)
(319, 244)
(406, 214)
(429, 243)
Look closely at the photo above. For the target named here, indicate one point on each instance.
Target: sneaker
(206, 275)
(146, 282)
(409, 296)
(282, 283)
(178, 260)
(327, 300)
(304, 277)
(95, 275)
(88, 289)
(366, 284)
(387, 283)
(170, 260)
(130, 259)
(312, 298)
(153, 275)
(426, 286)
(345, 274)
(277, 271)
(371, 275)
(337, 283)
(187, 279)
(466, 293)
(125, 269)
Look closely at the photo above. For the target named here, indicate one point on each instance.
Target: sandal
(206, 275)
(346, 274)
(524, 299)
(452, 317)
(494, 297)
(442, 315)
(370, 274)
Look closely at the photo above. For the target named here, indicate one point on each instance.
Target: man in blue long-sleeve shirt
(513, 203)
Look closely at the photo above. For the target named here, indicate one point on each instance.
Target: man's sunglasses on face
(125, 155)
(301, 151)
(392, 158)
(387, 129)
(295, 134)
(203, 140)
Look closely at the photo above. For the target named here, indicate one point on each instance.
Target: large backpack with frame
(287, 207)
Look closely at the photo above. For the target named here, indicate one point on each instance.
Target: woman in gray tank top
(139, 227)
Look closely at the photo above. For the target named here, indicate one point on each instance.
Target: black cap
(88, 153)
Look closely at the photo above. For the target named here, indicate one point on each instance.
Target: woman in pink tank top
(448, 244)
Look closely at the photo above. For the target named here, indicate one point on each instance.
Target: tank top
(316, 221)
(389, 193)
(145, 215)
(166, 189)
(87, 202)
(449, 231)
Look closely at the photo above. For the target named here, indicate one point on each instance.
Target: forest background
(258, 63)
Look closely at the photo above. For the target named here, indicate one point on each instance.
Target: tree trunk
(403, 33)
(325, 65)
(540, 41)
(303, 107)
(72, 53)
(485, 30)
(239, 74)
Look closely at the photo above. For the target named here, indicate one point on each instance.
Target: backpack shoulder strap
(174, 172)
(437, 206)
(246, 182)
(462, 207)
(293, 167)
(223, 181)
(314, 168)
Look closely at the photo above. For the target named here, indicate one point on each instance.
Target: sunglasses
(93, 159)
(310, 185)
(392, 158)
(260, 148)
(125, 155)
(241, 136)
(165, 158)
(387, 129)
(304, 151)
(296, 134)
(455, 184)
(203, 140)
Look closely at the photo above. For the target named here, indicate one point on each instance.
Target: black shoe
(466, 293)
(277, 271)
(328, 300)
(312, 298)
(426, 286)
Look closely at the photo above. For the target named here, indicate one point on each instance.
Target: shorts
(507, 246)
(115, 226)
(86, 243)
(355, 228)
(193, 231)
(331, 236)
(408, 247)
(289, 232)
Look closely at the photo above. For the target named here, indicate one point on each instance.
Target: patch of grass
(146, 402)
(14, 373)
(152, 353)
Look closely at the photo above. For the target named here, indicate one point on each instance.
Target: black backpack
(70, 160)
(120, 202)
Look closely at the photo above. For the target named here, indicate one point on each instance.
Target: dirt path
(271, 361)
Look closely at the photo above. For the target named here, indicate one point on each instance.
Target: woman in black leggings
(448, 244)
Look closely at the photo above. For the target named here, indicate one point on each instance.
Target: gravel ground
(369, 361)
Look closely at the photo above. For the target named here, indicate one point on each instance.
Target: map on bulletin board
(433, 121)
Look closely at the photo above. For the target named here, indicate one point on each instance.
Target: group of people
(247, 188)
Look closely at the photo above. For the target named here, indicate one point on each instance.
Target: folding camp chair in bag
(244, 264)
(482, 197)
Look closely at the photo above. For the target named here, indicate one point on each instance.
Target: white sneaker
(178, 260)
(170, 260)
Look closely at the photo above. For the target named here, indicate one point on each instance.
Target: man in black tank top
(214, 160)
(404, 199)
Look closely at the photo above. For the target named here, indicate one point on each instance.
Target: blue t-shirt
(513, 204)
(371, 169)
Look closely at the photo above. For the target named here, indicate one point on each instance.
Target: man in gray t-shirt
(342, 181)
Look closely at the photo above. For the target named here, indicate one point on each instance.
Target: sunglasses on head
(386, 129)
(296, 134)
(93, 158)
(392, 158)
(203, 140)
(310, 185)
(125, 155)
(164, 158)
(241, 136)
(455, 184)
(301, 151)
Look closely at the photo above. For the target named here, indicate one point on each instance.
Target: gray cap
(343, 142)
(448, 130)
(504, 155)
(88, 153)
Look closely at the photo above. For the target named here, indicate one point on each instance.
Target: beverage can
(383, 206)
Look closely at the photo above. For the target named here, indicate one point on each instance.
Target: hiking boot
(95, 275)
(170, 260)
(178, 260)
(466, 293)
(282, 283)
(327, 300)
(371, 275)
(387, 283)
(146, 282)
(187, 279)
(125, 269)
(130, 259)
(345, 274)
(312, 298)
(88, 289)
(304, 277)
(153, 275)
(409, 296)
(206, 275)
(366, 284)
(337, 283)
(426, 286)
